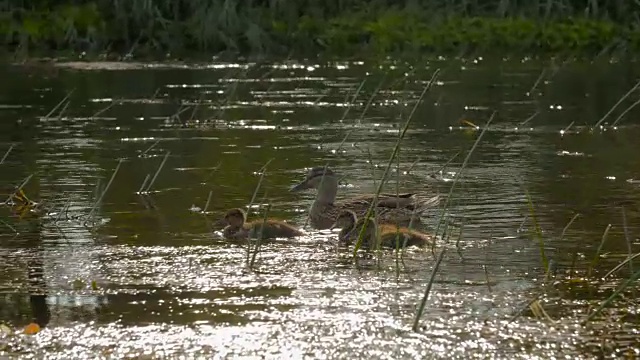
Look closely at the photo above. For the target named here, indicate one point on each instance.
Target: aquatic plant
(441, 220)
(99, 200)
(394, 153)
(249, 258)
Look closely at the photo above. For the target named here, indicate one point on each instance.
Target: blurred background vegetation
(338, 27)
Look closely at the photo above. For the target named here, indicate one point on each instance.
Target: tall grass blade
(443, 168)
(366, 108)
(6, 154)
(535, 84)
(256, 248)
(425, 297)
(462, 168)
(206, 206)
(144, 153)
(621, 288)
(619, 266)
(596, 257)
(627, 237)
(393, 154)
(263, 171)
(17, 190)
(373, 96)
(625, 113)
(537, 230)
(144, 182)
(95, 204)
(486, 277)
(59, 104)
(155, 176)
(104, 109)
(64, 108)
(617, 104)
(525, 307)
(9, 226)
(527, 120)
(566, 227)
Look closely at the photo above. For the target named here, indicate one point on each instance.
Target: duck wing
(275, 228)
(403, 200)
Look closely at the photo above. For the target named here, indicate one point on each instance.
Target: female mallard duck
(390, 208)
(237, 227)
(350, 226)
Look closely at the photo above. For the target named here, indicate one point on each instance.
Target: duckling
(237, 227)
(350, 226)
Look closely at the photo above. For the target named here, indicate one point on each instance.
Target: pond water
(143, 275)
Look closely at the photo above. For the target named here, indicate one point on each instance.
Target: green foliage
(67, 25)
(339, 27)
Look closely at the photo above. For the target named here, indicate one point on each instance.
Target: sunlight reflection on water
(145, 277)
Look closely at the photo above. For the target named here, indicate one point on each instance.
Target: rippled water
(147, 277)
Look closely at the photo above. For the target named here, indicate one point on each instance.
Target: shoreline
(386, 33)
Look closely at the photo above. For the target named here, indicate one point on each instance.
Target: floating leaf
(467, 122)
(78, 284)
(32, 329)
(4, 329)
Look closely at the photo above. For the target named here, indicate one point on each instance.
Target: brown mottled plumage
(237, 227)
(390, 208)
(350, 226)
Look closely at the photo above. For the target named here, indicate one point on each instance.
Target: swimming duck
(237, 227)
(390, 208)
(350, 226)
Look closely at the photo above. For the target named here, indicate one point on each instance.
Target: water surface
(147, 277)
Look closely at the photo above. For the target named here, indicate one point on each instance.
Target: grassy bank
(310, 27)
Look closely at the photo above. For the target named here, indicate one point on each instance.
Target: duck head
(234, 217)
(346, 219)
(314, 178)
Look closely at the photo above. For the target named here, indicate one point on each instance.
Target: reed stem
(59, 104)
(425, 297)
(617, 104)
(6, 154)
(155, 176)
(95, 204)
(462, 167)
(256, 248)
(393, 154)
(596, 257)
(625, 112)
(262, 171)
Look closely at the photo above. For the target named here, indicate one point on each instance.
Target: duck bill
(301, 186)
